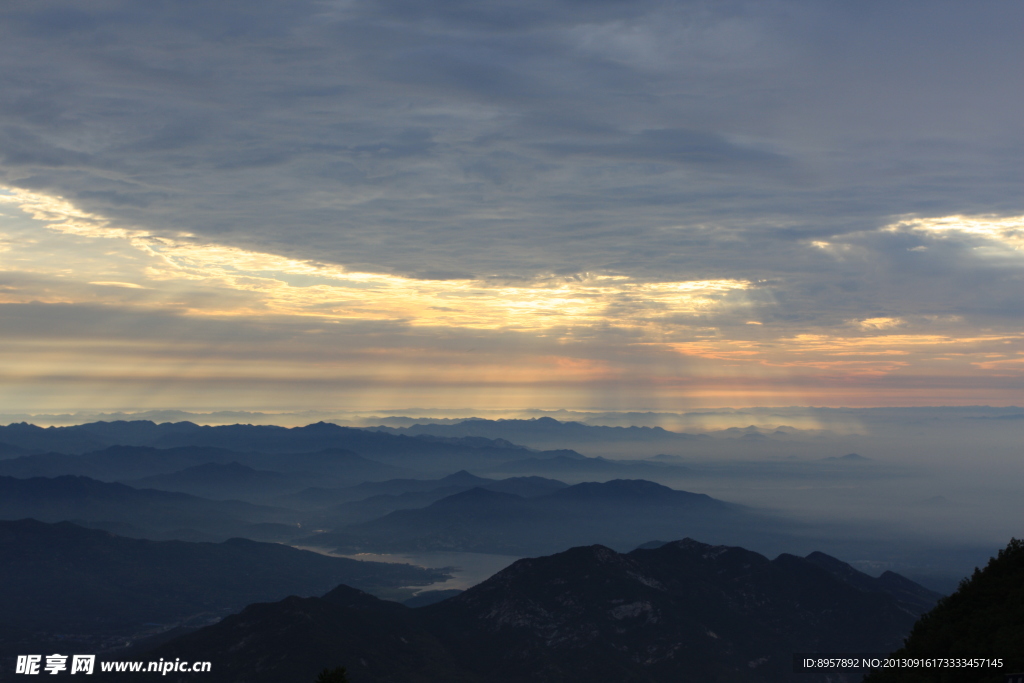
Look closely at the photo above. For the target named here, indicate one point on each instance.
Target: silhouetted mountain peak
(24, 427)
(906, 592)
(829, 562)
(844, 571)
(597, 553)
(849, 457)
(690, 545)
(322, 427)
(719, 556)
(346, 596)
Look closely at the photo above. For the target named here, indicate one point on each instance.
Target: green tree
(984, 618)
(335, 675)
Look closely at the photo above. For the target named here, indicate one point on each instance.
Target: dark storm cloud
(660, 140)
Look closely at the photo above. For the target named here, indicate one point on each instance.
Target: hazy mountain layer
(619, 513)
(422, 494)
(141, 512)
(426, 453)
(546, 432)
(886, 514)
(131, 463)
(320, 497)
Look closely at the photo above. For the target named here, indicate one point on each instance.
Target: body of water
(467, 569)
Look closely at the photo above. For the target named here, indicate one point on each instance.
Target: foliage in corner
(984, 618)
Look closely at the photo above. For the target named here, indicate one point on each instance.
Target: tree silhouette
(983, 620)
(335, 675)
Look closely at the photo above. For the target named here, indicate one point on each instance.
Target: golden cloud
(1005, 231)
(280, 285)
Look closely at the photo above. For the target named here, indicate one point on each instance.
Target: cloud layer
(649, 192)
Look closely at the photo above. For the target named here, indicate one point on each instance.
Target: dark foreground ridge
(64, 586)
(684, 611)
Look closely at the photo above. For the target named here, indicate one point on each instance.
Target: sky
(603, 205)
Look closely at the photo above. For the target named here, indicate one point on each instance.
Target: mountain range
(421, 453)
(682, 611)
(62, 582)
(410, 494)
(546, 432)
(222, 473)
(145, 513)
(619, 513)
(321, 497)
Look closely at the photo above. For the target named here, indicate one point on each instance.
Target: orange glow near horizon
(197, 324)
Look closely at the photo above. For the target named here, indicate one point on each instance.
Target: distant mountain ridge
(426, 453)
(543, 432)
(140, 512)
(680, 612)
(263, 438)
(231, 480)
(618, 513)
(321, 497)
(361, 504)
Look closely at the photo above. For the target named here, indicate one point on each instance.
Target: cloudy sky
(610, 204)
